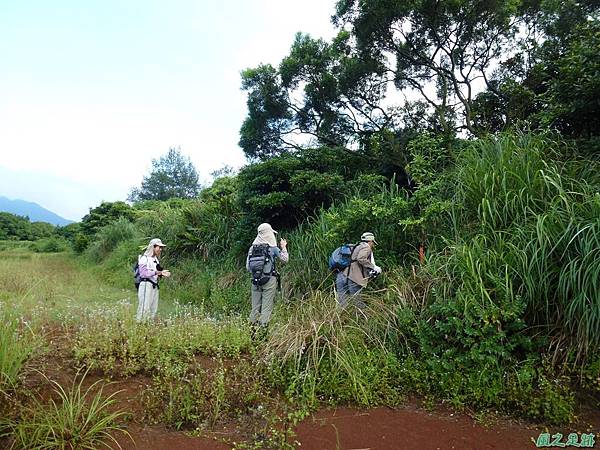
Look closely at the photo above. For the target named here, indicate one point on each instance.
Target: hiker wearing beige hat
(349, 282)
(150, 271)
(260, 262)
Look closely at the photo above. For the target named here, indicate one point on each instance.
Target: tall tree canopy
(104, 214)
(553, 80)
(449, 66)
(173, 176)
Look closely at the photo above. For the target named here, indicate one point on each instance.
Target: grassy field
(48, 286)
(77, 371)
(69, 333)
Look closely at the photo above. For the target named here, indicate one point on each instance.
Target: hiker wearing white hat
(150, 271)
(349, 282)
(260, 262)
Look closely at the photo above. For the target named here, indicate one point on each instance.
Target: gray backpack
(259, 257)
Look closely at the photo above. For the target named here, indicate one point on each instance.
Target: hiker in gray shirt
(260, 262)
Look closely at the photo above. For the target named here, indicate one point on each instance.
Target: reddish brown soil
(409, 427)
(159, 438)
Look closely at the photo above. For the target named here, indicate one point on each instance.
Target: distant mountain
(35, 212)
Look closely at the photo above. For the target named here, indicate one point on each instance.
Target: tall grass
(209, 230)
(318, 352)
(17, 344)
(109, 237)
(80, 418)
(531, 233)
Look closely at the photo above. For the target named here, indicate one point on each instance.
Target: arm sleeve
(283, 255)
(363, 257)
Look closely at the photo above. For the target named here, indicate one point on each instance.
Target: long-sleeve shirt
(361, 264)
(147, 266)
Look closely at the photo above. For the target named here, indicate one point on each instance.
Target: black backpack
(259, 256)
(137, 279)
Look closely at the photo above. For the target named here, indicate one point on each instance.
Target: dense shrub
(287, 189)
(109, 237)
(537, 221)
(50, 245)
(517, 279)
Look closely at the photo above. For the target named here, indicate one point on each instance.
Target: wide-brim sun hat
(265, 227)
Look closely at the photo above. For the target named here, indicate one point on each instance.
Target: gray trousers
(262, 302)
(347, 291)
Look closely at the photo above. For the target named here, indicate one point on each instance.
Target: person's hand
(377, 270)
(283, 243)
(165, 273)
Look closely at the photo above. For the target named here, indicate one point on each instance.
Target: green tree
(339, 93)
(172, 175)
(573, 96)
(437, 49)
(19, 228)
(104, 214)
(15, 227)
(552, 80)
(69, 231)
(287, 189)
(320, 92)
(42, 230)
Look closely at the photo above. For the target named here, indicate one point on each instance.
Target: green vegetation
(486, 208)
(17, 228)
(321, 354)
(502, 313)
(202, 398)
(110, 340)
(173, 176)
(79, 418)
(17, 344)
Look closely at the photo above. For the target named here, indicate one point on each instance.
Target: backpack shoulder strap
(352, 260)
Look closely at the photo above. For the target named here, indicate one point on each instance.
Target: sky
(91, 91)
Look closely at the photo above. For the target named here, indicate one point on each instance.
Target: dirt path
(375, 429)
(408, 429)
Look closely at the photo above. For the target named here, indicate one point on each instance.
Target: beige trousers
(147, 302)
